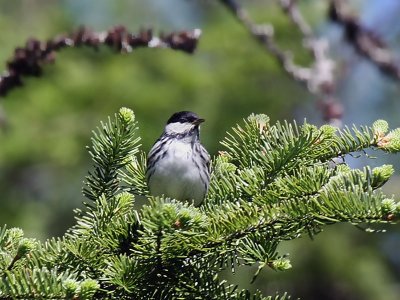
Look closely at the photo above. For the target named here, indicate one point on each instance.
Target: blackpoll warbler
(178, 166)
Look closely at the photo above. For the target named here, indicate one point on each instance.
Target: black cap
(185, 117)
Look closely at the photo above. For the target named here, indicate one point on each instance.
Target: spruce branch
(30, 59)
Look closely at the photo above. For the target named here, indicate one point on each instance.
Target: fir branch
(3, 236)
(274, 183)
(30, 59)
(134, 175)
(112, 146)
(36, 284)
(14, 247)
(24, 247)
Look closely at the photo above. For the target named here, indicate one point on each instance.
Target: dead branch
(319, 76)
(366, 42)
(29, 60)
(265, 35)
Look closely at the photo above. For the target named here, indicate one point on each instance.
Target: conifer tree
(272, 183)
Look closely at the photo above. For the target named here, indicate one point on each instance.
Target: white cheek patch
(178, 127)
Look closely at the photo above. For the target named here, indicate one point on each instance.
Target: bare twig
(291, 9)
(366, 42)
(322, 78)
(331, 110)
(319, 76)
(29, 60)
(265, 35)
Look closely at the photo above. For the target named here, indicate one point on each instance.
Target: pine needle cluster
(272, 183)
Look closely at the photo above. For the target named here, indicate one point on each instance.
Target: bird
(178, 166)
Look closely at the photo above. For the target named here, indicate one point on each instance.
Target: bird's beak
(198, 121)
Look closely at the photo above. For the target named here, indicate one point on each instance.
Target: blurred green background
(43, 159)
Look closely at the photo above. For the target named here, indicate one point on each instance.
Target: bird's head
(183, 123)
